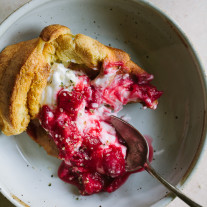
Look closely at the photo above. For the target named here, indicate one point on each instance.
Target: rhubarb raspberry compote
(75, 111)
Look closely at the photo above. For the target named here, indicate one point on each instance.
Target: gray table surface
(191, 16)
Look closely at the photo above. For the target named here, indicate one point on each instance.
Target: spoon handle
(170, 187)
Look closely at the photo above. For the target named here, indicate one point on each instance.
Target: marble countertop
(191, 16)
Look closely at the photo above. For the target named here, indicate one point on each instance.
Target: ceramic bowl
(28, 176)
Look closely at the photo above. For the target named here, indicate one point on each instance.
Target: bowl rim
(201, 70)
(28, 6)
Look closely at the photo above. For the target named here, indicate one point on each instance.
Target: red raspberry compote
(75, 112)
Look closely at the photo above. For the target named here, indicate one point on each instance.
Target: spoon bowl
(137, 156)
(137, 153)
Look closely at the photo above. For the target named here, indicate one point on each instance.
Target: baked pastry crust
(25, 67)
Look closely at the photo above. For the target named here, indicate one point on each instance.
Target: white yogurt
(60, 76)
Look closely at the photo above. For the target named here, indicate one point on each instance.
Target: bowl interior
(176, 126)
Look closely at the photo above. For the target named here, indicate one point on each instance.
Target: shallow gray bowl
(177, 127)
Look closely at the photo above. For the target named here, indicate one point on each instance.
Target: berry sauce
(92, 153)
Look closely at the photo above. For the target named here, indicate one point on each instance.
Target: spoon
(137, 157)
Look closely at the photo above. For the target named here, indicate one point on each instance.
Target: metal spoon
(137, 157)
